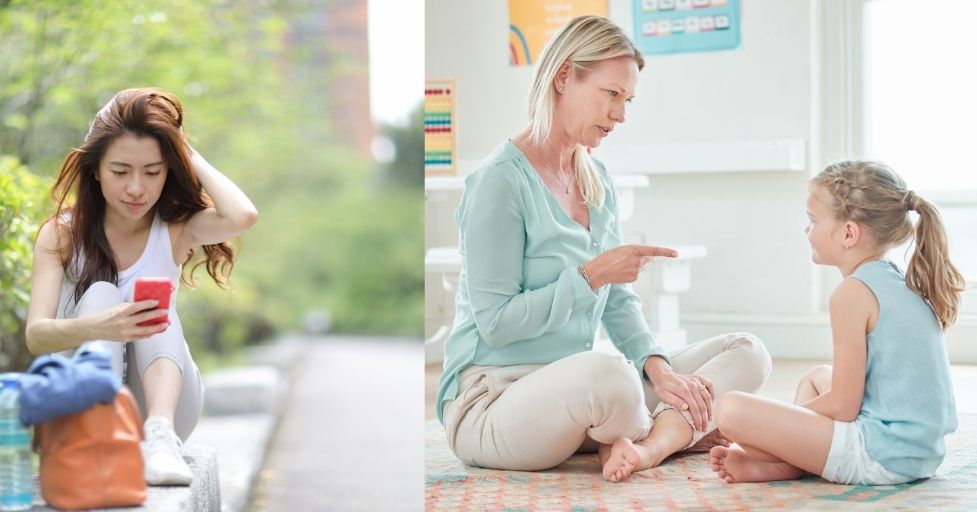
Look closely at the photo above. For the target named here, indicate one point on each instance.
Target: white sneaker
(161, 454)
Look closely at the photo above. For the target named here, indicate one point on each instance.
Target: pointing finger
(651, 250)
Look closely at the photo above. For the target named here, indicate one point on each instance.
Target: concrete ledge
(240, 442)
(282, 354)
(202, 495)
(246, 390)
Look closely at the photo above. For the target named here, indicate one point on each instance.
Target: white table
(668, 277)
(447, 262)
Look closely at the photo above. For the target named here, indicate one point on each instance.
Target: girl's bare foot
(733, 465)
(624, 457)
(714, 438)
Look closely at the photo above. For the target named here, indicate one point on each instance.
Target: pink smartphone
(158, 288)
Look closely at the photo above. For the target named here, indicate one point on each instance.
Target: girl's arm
(852, 307)
(45, 333)
(232, 213)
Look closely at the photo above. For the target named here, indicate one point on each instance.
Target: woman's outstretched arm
(45, 333)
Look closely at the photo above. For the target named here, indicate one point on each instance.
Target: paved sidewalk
(353, 430)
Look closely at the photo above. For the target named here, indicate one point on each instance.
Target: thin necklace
(566, 184)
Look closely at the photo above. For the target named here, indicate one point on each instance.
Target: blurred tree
(407, 167)
(23, 198)
(64, 60)
(221, 321)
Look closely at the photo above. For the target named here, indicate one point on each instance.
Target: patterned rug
(685, 482)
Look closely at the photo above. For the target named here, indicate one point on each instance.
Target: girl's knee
(729, 410)
(820, 371)
(819, 377)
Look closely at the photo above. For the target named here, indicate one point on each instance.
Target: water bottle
(16, 473)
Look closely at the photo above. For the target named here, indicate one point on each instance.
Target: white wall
(758, 275)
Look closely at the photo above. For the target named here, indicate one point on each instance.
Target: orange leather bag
(91, 459)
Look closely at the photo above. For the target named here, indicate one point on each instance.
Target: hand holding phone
(158, 288)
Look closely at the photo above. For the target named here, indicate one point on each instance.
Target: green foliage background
(22, 196)
(337, 231)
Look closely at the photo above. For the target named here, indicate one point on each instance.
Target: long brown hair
(144, 112)
(874, 196)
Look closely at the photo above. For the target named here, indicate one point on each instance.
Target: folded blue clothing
(55, 386)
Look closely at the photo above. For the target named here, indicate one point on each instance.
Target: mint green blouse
(520, 298)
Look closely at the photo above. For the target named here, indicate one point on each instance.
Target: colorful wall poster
(674, 26)
(532, 22)
(439, 127)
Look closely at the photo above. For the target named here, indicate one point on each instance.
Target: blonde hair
(872, 195)
(583, 41)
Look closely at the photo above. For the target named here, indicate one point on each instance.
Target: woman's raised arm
(232, 213)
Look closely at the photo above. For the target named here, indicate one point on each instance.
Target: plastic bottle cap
(10, 381)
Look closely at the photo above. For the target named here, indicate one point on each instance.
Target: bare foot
(714, 438)
(618, 460)
(625, 457)
(734, 465)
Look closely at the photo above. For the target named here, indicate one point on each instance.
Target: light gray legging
(530, 417)
(170, 344)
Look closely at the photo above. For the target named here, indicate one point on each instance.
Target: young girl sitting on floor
(879, 414)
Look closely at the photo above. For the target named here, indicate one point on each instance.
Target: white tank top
(156, 261)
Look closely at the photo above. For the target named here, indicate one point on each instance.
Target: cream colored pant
(531, 417)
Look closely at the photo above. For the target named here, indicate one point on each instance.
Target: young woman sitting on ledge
(135, 200)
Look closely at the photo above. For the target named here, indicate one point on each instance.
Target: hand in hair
(623, 264)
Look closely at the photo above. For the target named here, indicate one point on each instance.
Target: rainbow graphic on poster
(439, 127)
(531, 23)
(518, 48)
